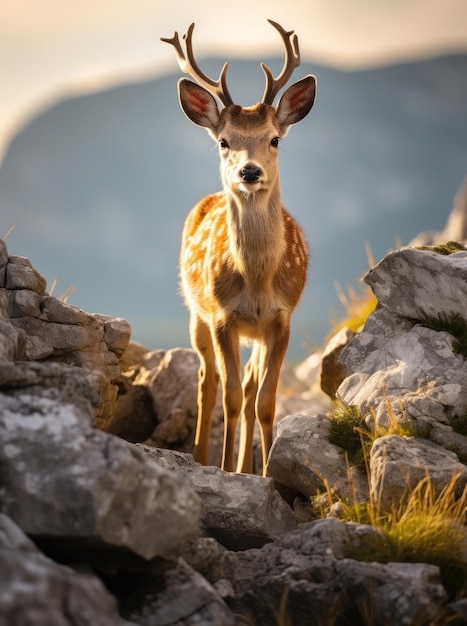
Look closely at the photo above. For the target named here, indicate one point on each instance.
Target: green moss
(346, 424)
(444, 248)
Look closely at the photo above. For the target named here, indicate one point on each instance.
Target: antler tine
(292, 61)
(188, 65)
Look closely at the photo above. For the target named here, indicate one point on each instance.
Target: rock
(176, 596)
(294, 578)
(398, 464)
(20, 274)
(35, 591)
(420, 284)
(301, 457)
(406, 364)
(160, 389)
(59, 383)
(35, 326)
(239, 510)
(332, 371)
(213, 561)
(78, 490)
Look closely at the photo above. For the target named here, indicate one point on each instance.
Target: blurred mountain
(98, 186)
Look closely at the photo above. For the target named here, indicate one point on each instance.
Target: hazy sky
(51, 48)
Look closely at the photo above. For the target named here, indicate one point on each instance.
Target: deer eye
(275, 142)
(223, 144)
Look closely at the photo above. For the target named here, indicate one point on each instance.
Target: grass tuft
(345, 430)
(425, 527)
(450, 247)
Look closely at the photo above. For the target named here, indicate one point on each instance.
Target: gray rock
(74, 488)
(175, 596)
(60, 383)
(168, 380)
(306, 578)
(20, 274)
(398, 464)
(24, 302)
(417, 284)
(239, 510)
(332, 370)
(9, 339)
(404, 370)
(35, 591)
(302, 458)
(35, 326)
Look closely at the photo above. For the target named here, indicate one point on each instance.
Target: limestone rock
(302, 458)
(239, 510)
(35, 591)
(332, 371)
(159, 390)
(295, 576)
(35, 326)
(75, 489)
(407, 367)
(176, 595)
(398, 464)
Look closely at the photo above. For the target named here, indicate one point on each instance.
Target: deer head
(248, 137)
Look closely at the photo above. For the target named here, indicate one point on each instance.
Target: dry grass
(65, 294)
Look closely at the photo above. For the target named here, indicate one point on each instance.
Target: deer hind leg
(207, 386)
(272, 355)
(227, 349)
(250, 389)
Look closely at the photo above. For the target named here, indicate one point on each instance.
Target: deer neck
(256, 234)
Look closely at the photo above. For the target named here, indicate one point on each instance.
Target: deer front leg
(272, 355)
(227, 348)
(207, 386)
(250, 389)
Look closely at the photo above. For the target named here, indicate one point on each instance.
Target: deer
(243, 259)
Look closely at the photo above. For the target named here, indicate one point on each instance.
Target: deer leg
(272, 355)
(227, 348)
(207, 386)
(247, 426)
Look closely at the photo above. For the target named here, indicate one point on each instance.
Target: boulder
(399, 464)
(157, 403)
(306, 577)
(35, 326)
(34, 590)
(239, 510)
(176, 595)
(332, 370)
(406, 362)
(302, 459)
(76, 489)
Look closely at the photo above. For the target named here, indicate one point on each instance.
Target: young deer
(243, 259)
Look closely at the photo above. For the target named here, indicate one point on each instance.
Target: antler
(189, 66)
(292, 61)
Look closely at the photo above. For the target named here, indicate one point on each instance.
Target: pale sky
(50, 49)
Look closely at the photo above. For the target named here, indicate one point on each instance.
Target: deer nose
(250, 173)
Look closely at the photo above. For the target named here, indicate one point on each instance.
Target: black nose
(250, 174)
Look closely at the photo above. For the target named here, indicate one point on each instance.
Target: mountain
(98, 186)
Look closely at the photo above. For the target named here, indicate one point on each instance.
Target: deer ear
(198, 104)
(297, 101)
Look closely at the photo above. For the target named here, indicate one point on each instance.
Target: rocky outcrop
(408, 363)
(37, 327)
(72, 487)
(141, 534)
(240, 511)
(34, 590)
